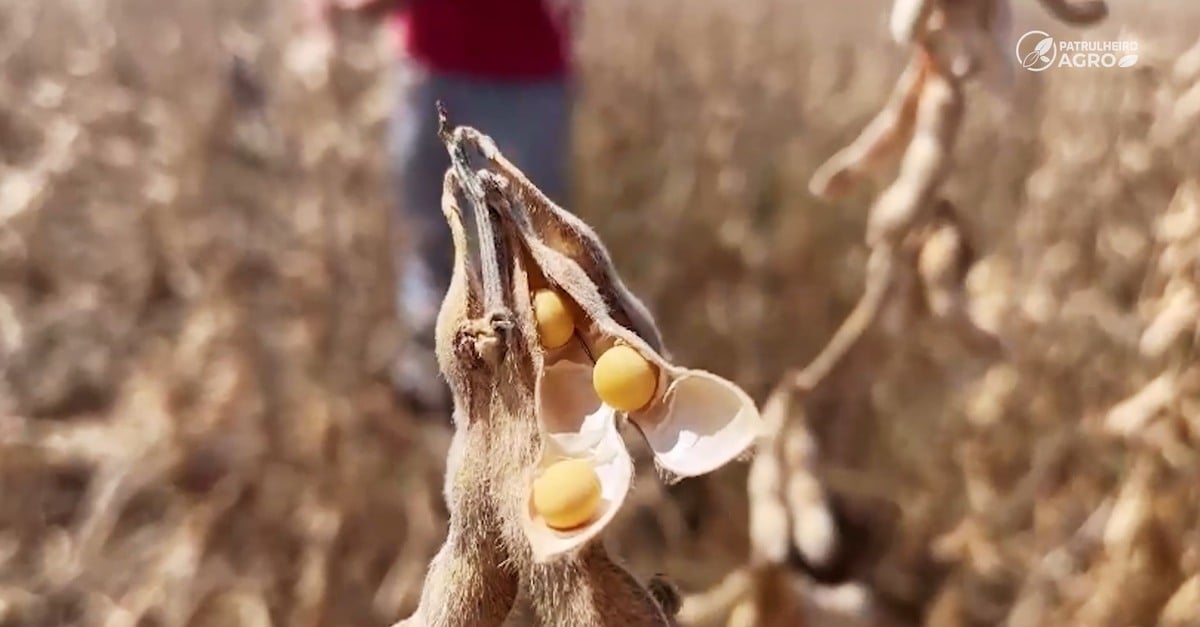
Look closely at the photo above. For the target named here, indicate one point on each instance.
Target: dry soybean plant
(547, 353)
(1143, 556)
(187, 432)
(919, 260)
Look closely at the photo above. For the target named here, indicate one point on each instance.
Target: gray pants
(530, 122)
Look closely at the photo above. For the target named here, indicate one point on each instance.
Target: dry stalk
(124, 456)
(523, 404)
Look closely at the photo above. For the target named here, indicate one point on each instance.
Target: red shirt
(519, 39)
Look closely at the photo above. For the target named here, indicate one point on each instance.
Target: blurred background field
(196, 311)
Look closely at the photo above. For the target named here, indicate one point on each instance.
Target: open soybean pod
(614, 363)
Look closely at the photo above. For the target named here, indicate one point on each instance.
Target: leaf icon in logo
(1038, 53)
(1127, 60)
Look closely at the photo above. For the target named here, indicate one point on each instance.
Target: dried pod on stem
(919, 259)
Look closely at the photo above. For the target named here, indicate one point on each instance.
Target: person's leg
(530, 123)
(421, 239)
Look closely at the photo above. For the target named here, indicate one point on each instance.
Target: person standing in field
(502, 66)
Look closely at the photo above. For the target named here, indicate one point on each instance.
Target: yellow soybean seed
(624, 379)
(567, 494)
(554, 323)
